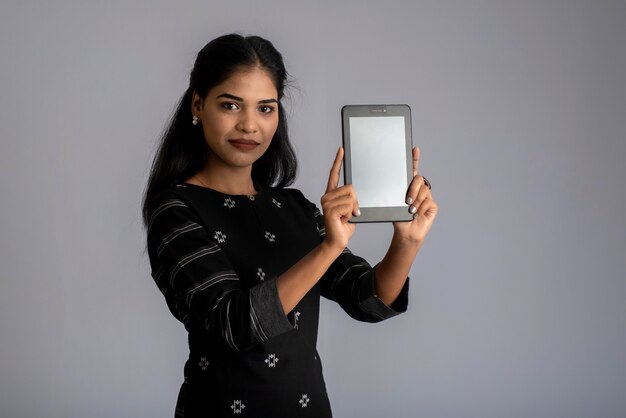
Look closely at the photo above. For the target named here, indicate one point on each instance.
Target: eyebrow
(239, 99)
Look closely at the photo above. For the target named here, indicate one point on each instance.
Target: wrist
(406, 240)
(330, 249)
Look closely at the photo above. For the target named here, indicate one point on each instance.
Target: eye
(266, 109)
(230, 106)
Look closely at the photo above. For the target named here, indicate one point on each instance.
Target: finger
(416, 185)
(416, 160)
(343, 192)
(427, 208)
(423, 194)
(333, 178)
(330, 205)
(348, 190)
(355, 209)
(342, 195)
(341, 211)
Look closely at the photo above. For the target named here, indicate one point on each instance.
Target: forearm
(393, 269)
(293, 284)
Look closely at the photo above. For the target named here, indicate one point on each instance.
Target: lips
(243, 144)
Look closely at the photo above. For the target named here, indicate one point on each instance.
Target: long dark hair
(183, 151)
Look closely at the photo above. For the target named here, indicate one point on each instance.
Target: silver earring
(194, 121)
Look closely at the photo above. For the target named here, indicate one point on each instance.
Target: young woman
(241, 259)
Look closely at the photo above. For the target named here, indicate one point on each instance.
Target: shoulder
(173, 194)
(170, 204)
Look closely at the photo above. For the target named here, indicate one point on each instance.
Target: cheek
(270, 128)
(214, 127)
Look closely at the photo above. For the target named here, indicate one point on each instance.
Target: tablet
(378, 159)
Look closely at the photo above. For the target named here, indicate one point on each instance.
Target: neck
(228, 180)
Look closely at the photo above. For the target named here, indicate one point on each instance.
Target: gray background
(518, 297)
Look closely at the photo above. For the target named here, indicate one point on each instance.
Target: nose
(247, 122)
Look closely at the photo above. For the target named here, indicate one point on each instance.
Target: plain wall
(518, 297)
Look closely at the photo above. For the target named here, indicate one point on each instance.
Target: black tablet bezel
(388, 213)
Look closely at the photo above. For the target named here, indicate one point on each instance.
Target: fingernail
(412, 209)
(409, 200)
(358, 212)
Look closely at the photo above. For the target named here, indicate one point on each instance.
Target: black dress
(216, 257)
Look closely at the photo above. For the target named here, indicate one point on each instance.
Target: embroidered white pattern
(296, 318)
(304, 401)
(229, 203)
(271, 360)
(237, 406)
(277, 203)
(270, 237)
(260, 273)
(220, 237)
(204, 363)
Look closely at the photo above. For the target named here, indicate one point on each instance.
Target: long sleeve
(200, 284)
(350, 282)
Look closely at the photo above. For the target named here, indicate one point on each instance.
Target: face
(239, 118)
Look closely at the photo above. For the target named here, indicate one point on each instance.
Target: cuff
(371, 304)
(266, 305)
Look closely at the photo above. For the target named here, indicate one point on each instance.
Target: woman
(241, 259)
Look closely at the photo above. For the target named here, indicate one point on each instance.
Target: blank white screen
(379, 172)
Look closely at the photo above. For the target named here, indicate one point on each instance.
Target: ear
(196, 105)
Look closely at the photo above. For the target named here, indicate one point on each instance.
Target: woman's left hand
(421, 204)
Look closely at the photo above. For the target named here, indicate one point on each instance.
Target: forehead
(249, 83)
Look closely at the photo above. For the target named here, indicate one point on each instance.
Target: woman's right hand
(339, 204)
